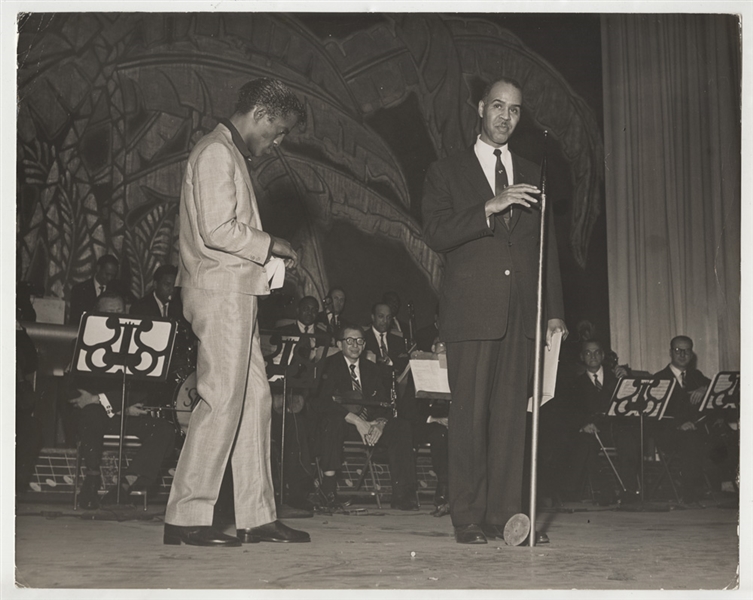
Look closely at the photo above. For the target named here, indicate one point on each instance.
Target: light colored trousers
(232, 420)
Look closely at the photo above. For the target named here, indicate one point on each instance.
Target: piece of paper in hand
(275, 268)
(551, 362)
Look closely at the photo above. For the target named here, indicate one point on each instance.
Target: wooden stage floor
(592, 548)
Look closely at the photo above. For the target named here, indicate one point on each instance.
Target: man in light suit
(223, 250)
(479, 212)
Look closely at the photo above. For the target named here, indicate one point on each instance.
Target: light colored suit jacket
(222, 245)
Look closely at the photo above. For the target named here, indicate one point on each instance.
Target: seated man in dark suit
(388, 348)
(331, 318)
(353, 404)
(164, 299)
(682, 434)
(84, 295)
(100, 401)
(396, 326)
(587, 403)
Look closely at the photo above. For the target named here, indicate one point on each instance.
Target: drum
(185, 399)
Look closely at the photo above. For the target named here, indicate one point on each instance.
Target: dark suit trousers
(396, 438)
(157, 437)
(489, 383)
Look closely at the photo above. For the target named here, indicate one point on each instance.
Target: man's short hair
(109, 295)
(107, 259)
(599, 343)
(341, 336)
(309, 299)
(374, 307)
(164, 271)
(680, 338)
(507, 80)
(272, 94)
(332, 290)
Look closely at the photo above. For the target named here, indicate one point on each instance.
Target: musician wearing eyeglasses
(354, 404)
(684, 434)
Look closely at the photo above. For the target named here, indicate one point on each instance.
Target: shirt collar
(378, 334)
(349, 361)
(600, 373)
(677, 372)
(159, 302)
(487, 150)
(302, 328)
(237, 139)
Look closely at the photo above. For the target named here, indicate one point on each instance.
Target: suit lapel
(471, 170)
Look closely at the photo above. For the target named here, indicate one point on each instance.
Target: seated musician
(298, 474)
(586, 405)
(99, 400)
(331, 318)
(684, 434)
(353, 403)
(164, 299)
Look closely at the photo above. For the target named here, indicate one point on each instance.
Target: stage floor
(591, 548)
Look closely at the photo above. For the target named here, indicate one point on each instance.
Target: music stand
(289, 360)
(119, 345)
(641, 398)
(722, 395)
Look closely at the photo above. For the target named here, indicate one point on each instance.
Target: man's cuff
(106, 405)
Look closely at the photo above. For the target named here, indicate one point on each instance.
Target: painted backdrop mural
(111, 104)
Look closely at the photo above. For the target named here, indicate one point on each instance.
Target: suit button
(507, 272)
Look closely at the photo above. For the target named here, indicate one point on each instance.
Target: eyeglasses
(351, 341)
(682, 351)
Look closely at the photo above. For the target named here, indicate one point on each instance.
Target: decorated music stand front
(723, 394)
(634, 397)
(118, 344)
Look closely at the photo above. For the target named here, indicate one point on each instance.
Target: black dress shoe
(272, 532)
(200, 535)
(469, 534)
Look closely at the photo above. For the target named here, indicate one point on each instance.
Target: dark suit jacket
(426, 336)
(336, 381)
(481, 262)
(395, 349)
(679, 405)
(83, 298)
(586, 403)
(148, 307)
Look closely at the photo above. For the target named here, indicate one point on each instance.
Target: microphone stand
(539, 351)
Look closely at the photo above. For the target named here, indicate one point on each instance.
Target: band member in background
(223, 250)
(84, 295)
(479, 212)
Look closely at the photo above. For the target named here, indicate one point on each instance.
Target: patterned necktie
(382, 347)
(597, 383)
(500, 183)
(354, 379)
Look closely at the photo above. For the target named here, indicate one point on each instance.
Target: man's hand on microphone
(520, 193)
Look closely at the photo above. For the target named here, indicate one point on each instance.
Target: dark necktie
(500, 183)
(382, 347)
(682, 378)
(164, 309)
(100, 289)
(597, 383)
(354, 379)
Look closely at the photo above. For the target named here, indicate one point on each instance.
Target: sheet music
(430, 374)
(551, 363)
(275, 269)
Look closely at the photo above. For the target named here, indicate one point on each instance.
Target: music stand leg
(643, 458)
(611, 464)
(282, 437)
(120, 442)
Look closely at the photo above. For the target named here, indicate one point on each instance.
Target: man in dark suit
(353, 404)
(100, 400)
(387, 348)
(163, 300)
(331, 318)
(585, 417)
(84, 295)
(397, 326)
(683, 434)
(479, 213)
